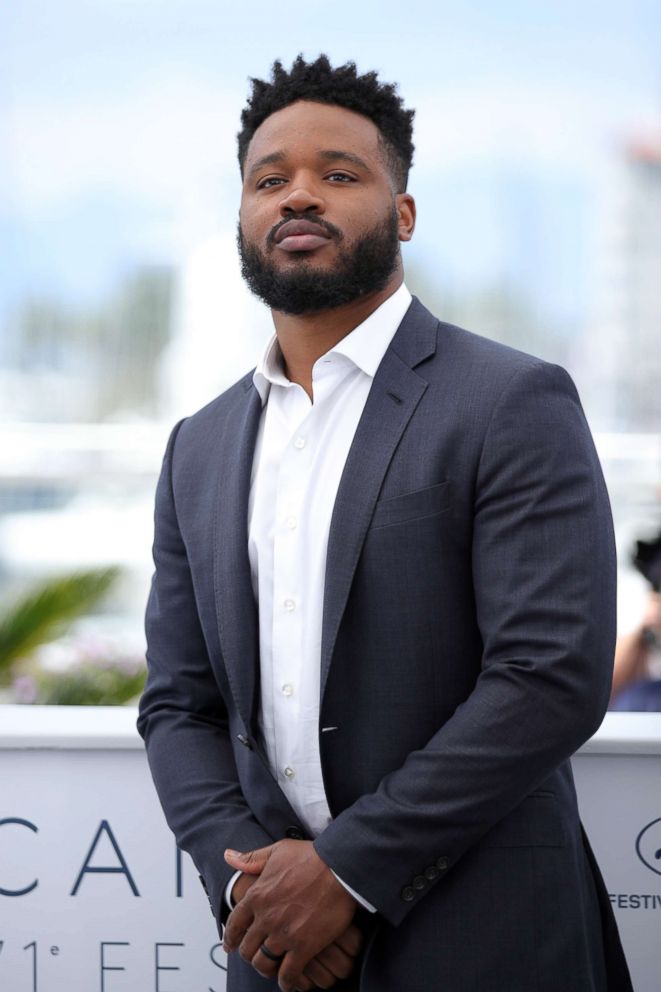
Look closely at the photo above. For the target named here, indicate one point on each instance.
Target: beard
(362, 269)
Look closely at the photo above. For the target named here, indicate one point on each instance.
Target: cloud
(551, 126)
(161, 142)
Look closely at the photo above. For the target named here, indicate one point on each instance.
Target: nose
(302, 198)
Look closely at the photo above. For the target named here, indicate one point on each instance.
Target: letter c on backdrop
(21, 823)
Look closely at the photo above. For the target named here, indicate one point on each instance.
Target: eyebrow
(266, 160)
(328, 155)
(337, 156)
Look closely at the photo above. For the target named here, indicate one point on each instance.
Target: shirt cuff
(363, 902)
(230, 885)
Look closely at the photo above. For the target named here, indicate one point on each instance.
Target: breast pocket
(416, 505)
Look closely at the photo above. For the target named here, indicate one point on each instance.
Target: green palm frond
(42, 613)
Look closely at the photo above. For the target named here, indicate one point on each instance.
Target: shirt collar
(365, 346)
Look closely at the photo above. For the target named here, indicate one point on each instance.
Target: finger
(291, 972)
(319, 975)
(351, 941)
(303, 984)
(249, 948)
(261, 962)
(250, 862)
(237, 923)
(334, 959)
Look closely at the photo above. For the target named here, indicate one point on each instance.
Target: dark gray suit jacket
(467, 646)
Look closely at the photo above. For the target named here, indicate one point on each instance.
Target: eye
(341, 177)
(269, 182)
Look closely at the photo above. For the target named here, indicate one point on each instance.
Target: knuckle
(246, 952)
(287, 976)
(355, 945)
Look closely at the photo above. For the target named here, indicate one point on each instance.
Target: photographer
(637, 673)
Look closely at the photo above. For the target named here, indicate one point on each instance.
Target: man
(382, 614)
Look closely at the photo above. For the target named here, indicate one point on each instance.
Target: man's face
(320, 223)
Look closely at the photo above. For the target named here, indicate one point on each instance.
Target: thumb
(250, 862)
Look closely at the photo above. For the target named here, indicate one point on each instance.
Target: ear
(405, 206)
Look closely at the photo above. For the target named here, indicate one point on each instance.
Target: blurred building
(218, 330)
(624, 341)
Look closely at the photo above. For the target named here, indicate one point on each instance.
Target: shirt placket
(288, 586)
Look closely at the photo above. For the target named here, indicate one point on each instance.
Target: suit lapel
(395, 393)
(235, 602)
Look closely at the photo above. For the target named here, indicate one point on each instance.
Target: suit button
(442, 864)
(419, 882)
(432, 872)
(407, 894)
(294, 833)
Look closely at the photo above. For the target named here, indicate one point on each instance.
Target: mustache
(333, 231)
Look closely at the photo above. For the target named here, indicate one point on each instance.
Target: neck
(304, 338)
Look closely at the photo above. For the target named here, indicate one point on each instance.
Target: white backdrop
(108, 904)
(95, 898)
(618, 778)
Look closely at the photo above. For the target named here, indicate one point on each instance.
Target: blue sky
(117, 121)
(424, 42)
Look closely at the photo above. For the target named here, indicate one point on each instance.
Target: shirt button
(288, 689)
(291, 523)
(299, 443)
(289, 605)
(289, 772)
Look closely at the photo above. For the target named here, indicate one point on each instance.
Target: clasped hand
(299, 911)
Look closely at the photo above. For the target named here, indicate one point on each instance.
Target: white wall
(93, 895)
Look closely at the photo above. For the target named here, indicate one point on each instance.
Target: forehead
(306, 127)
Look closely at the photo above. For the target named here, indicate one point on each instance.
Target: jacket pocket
(412, 506)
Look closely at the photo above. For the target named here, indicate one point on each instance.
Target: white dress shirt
(300, 453)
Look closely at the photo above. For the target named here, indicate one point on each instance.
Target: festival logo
(648, 846)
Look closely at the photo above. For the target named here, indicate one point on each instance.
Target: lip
(301, 235)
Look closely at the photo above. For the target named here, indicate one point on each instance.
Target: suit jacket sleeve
(544, 586)
(182, 716)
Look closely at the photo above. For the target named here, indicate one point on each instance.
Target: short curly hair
(343, 87)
